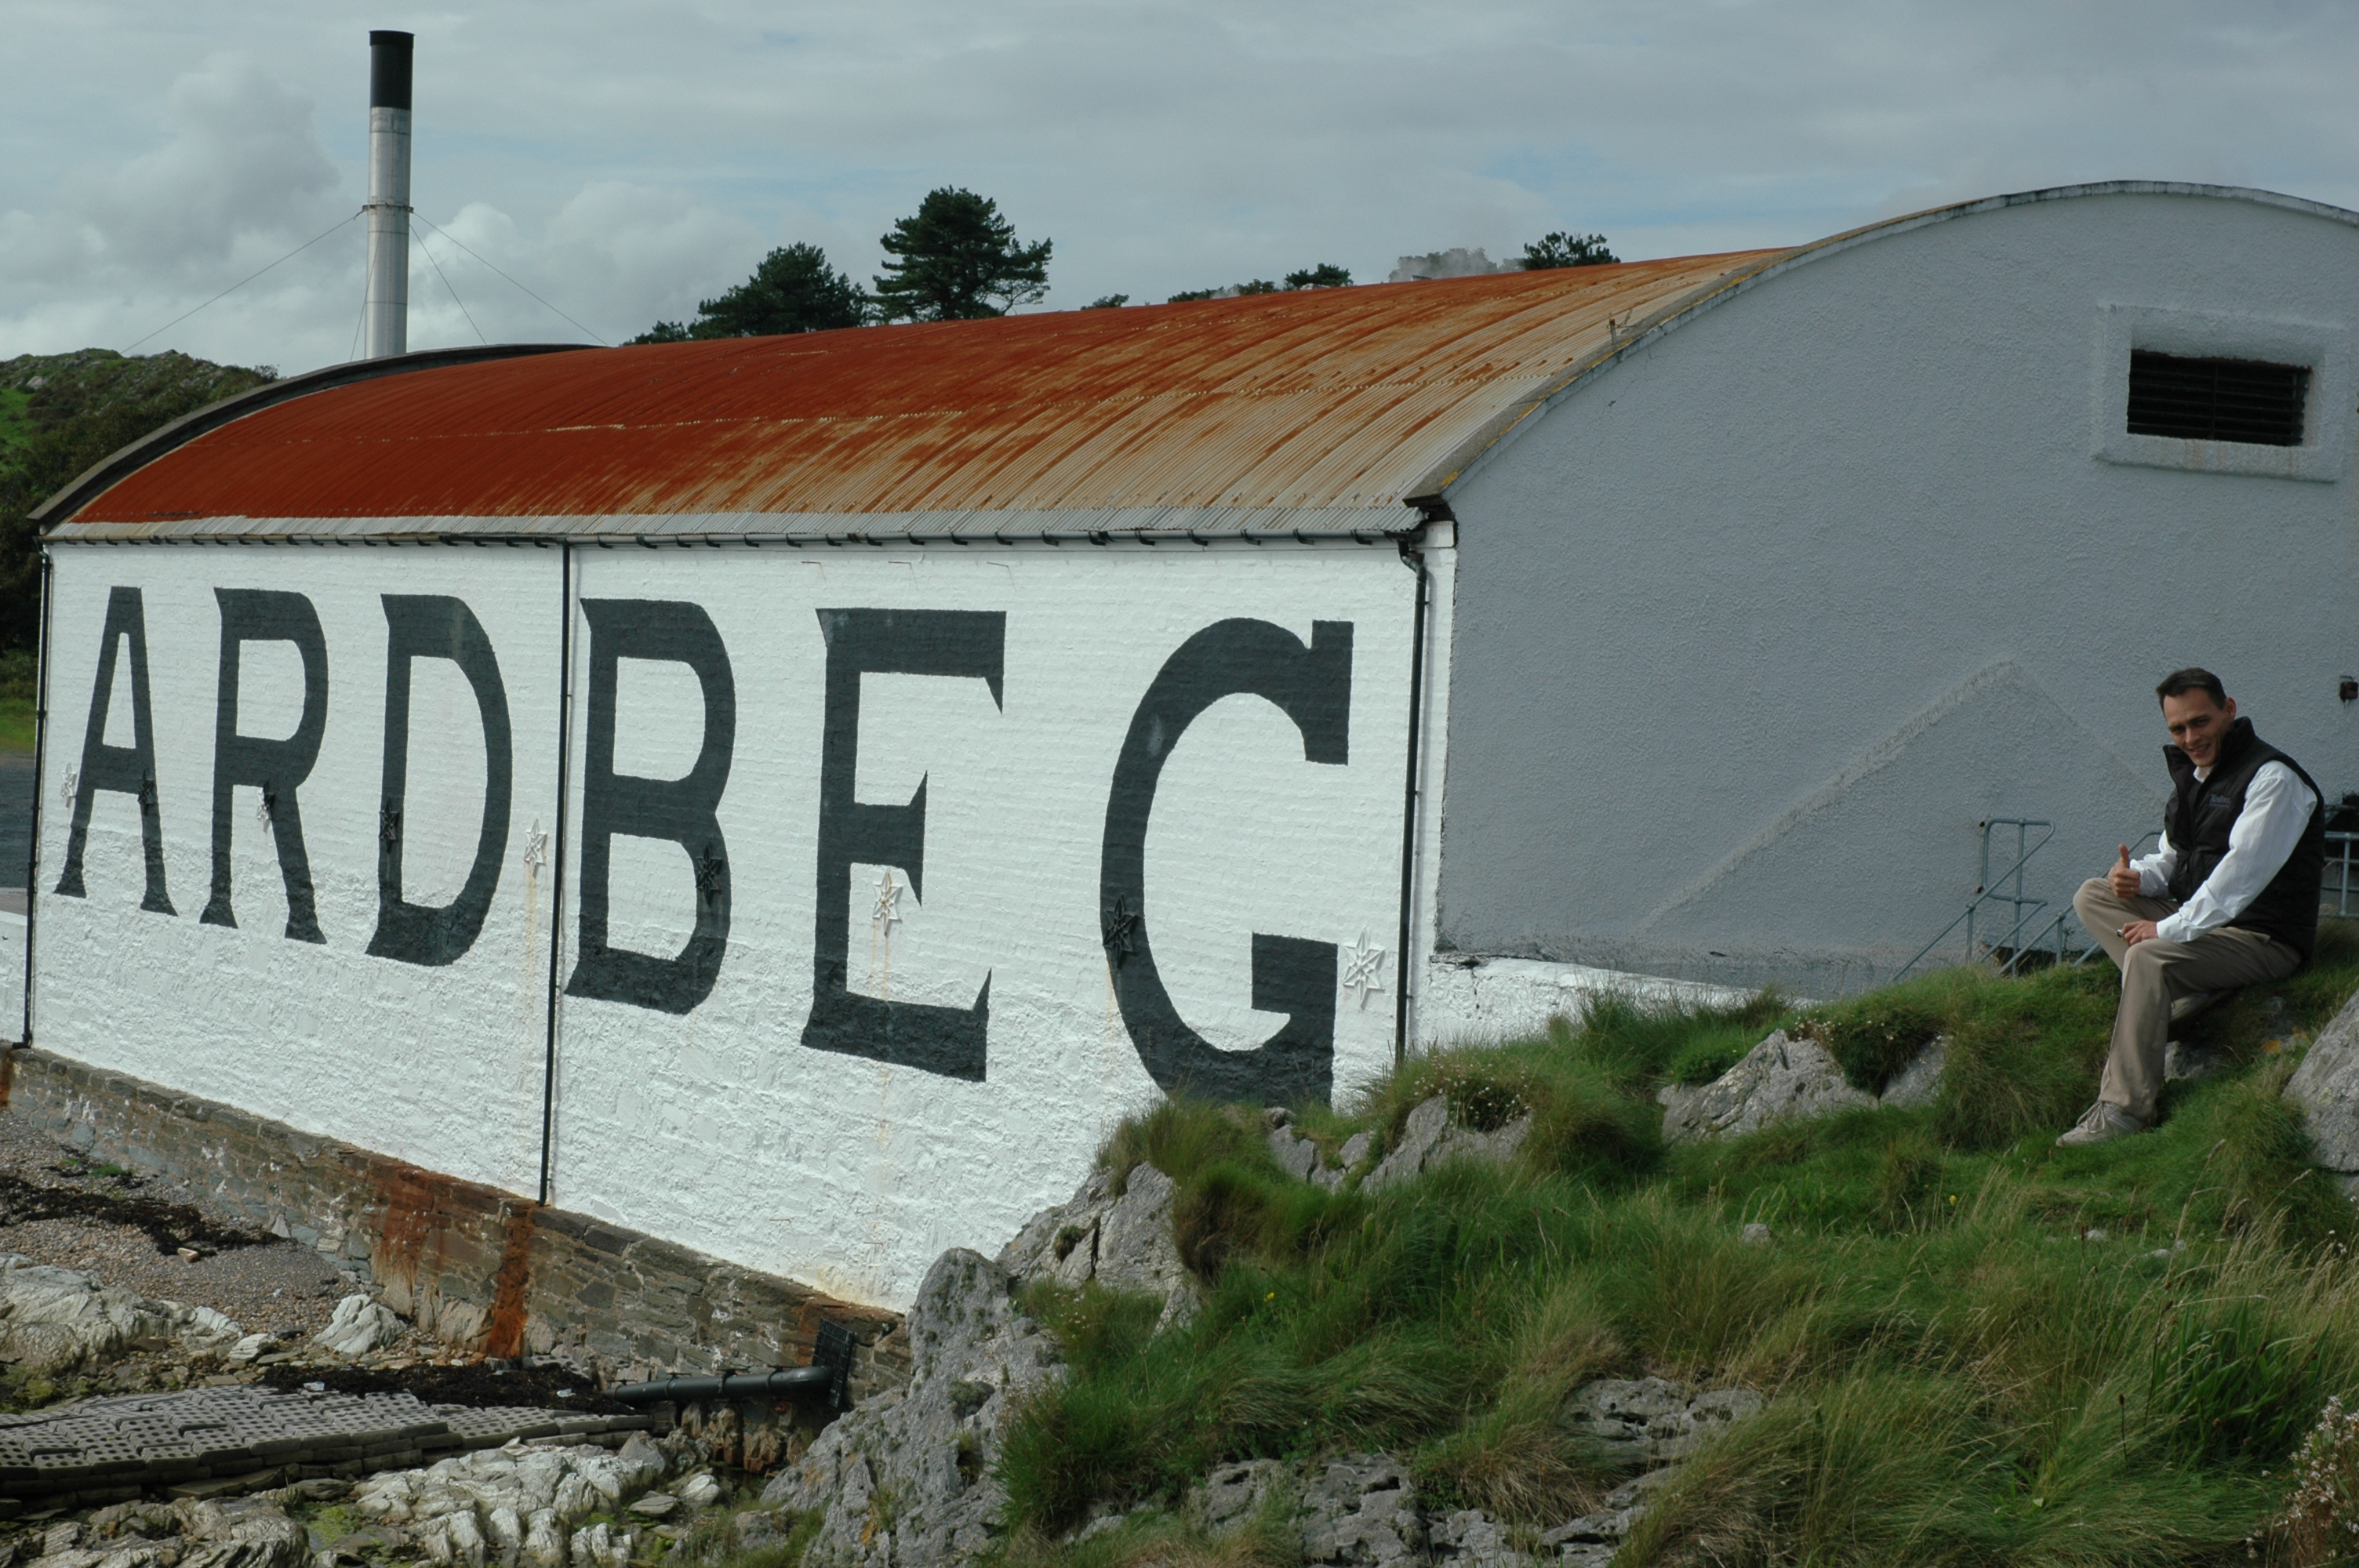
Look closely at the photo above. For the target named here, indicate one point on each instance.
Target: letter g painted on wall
(686, 812)
(1312, 686)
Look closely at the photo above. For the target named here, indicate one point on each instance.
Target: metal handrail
(2006, 888)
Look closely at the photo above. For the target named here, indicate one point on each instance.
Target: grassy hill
(1978, 1348)
(58, 414)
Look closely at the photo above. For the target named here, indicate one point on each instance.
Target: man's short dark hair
(2179, 682)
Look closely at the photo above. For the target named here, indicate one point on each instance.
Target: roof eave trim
(1470, 453)
(112, 469)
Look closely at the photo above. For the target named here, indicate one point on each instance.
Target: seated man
(2230, 899)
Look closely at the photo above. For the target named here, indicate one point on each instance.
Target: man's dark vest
(2202, 812)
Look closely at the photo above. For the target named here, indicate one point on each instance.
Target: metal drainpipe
(557, 855)
(41, 757)
(1415, 559)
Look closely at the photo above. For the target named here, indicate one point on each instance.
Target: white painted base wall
(712, 1120)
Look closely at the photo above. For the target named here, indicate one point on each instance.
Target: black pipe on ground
(727, 1386)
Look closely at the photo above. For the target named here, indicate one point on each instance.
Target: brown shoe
(2100, 1123)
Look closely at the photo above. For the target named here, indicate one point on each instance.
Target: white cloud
(626, 160)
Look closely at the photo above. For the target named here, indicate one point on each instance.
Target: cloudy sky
(624, 161)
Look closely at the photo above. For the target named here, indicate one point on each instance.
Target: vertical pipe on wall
(1415, 559)
(40, 771)
(557, 857)
(386, 309)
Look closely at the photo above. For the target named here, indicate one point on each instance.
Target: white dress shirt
(2277, 809)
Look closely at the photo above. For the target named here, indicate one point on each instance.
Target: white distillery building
(790, 796)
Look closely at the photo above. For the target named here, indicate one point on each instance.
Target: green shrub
(1876, 1036)
(1710, 1051)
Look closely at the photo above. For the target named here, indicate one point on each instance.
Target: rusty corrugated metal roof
(1332, 404)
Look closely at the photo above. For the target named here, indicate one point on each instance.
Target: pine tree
(958, 260)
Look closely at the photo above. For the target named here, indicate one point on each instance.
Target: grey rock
(656, 1505)
(1232, 1493)
(2326, 1086)
(1123, 1241)
(524, 1502)
(1472, 1539)
(1650, 1422)
(58, 1320)
(908, 1480)
(1917, 1083)
(1135, 1247)
(359, 1326)
(1296, 1155)
(1429, 1137)
(2191, 1063)
(1779, 1079)
(1361, 1511)
(1758, 1235)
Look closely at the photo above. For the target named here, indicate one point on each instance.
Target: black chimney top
(389, 70)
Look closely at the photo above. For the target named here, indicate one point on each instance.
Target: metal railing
(2337, 884)
(2004, 888)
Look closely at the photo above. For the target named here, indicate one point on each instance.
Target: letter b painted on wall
(685, 811)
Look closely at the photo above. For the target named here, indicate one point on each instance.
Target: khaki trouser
(2154, 973)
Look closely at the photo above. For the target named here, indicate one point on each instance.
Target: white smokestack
(388, 310)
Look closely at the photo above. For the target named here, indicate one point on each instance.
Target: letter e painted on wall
(969, 643)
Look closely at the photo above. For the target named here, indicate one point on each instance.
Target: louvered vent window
(2217, 400)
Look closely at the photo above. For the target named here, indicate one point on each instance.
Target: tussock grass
(1977, 1348)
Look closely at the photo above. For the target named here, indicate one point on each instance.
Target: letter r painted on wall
(966, 643)
(1312, 686)
(686, 812)
(121, 770)
(277, 768)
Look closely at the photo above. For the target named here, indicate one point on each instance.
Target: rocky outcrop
(247, 1534)
(1360, 1509)
(525, 1503)
(1429, 1137)
(1301, 1158)
(908, 1479)
(1123, 1241)
(56, 1320)
(2326, 1087)
(1783, 1079)
(1650, 1423)
(1364, 1510)
(359, 1326)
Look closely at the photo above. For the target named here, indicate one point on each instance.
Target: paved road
(17, 790)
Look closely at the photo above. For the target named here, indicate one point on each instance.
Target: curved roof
(1323, 411)
(1272, 411)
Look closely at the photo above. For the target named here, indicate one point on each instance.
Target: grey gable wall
(1752, 628)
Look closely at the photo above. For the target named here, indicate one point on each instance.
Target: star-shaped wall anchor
(887, 915)
(1363, 969)
(535, 848)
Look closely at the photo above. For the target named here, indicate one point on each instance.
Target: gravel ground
(268, 1285)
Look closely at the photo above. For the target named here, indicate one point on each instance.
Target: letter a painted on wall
(685, 811)
(956, 643)
(277, 767)
(1312, 686)
(424, 626)
(125, 770)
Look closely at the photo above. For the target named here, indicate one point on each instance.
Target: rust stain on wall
(503, 1330)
